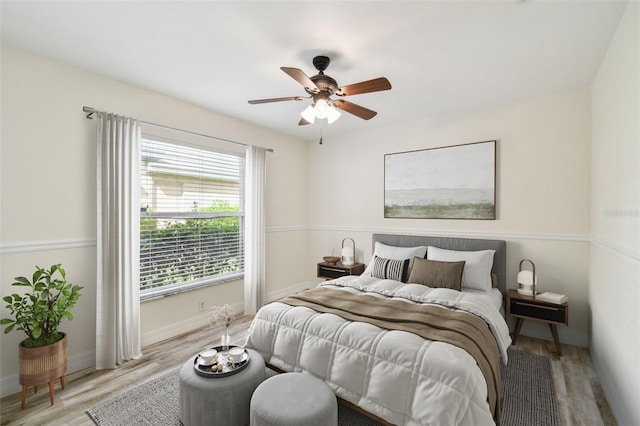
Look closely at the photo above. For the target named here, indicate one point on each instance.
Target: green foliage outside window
(177, 251)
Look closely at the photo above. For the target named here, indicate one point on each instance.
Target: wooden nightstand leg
(554, 332)
(516, 333)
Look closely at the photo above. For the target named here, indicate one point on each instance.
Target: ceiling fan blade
(375, 85)
(302, 78)
(351, 108)
(264, 101)
(303, 122)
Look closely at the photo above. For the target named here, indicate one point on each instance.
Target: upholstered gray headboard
(467, 244)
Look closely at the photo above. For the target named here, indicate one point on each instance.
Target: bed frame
(463, 244)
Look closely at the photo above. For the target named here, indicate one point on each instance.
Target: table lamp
(348, 252)
(527, 279)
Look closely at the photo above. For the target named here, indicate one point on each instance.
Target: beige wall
(48, 190)
(543, 191)
(614, 284)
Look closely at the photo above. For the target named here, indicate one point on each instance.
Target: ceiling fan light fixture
(321, 108)
(309, 114)
(333, 114)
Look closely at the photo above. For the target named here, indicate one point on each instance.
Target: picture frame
(451, 182)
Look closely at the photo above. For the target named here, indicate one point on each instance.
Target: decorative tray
(228, 367)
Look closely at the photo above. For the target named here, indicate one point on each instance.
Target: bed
(417, 339)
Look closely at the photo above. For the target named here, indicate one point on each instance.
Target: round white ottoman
(294, 399)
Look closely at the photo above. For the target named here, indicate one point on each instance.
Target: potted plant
(38, 313)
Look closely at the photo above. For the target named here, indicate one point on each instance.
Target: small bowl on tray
(331, 260)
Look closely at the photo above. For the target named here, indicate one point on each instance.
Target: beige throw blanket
(461, 329)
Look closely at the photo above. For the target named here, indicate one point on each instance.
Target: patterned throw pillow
(393, 252)
(389, 269)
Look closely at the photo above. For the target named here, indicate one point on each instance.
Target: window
(191, 216)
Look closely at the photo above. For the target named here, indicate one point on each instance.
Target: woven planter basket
(37, 366)
(44, 364)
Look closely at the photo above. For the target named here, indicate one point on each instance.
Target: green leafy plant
(39, 311)
(181, 242)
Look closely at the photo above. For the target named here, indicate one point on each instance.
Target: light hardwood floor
(580, 397)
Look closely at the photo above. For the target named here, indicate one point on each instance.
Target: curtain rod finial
(89, 112)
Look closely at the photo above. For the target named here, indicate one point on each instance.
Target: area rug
(529, 394)
(529, 399)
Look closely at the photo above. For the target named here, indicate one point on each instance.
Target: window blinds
(191, 214)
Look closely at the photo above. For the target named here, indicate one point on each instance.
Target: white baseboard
(9, 384)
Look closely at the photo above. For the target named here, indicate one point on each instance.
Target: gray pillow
(434, 273)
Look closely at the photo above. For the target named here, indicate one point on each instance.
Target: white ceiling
(441, 56)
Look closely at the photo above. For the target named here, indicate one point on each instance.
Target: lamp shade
(321, 108)
(309, 114)
(527, 279)
(333, 114)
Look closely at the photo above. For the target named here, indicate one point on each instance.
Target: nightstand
(526, 307)
(330, 271)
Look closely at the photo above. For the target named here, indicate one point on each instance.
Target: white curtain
(254, 255)
(118, 245)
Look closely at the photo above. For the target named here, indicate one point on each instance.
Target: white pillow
(477, 268)
(393, 252)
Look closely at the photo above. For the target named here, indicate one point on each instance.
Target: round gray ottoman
(294, 399)
(219, 400)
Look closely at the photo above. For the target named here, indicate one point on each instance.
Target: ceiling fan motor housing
(323, 82)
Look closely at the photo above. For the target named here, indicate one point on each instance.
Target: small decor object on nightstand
(331, 260)
(348, 253)
(556, 298)
(527, 280)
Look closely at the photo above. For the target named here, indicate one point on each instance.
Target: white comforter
(395, 375)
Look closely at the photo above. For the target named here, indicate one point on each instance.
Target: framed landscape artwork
(454, 182)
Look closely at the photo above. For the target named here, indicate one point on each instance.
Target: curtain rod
(90, 111)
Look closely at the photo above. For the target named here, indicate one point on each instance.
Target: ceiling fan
(321, 87)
